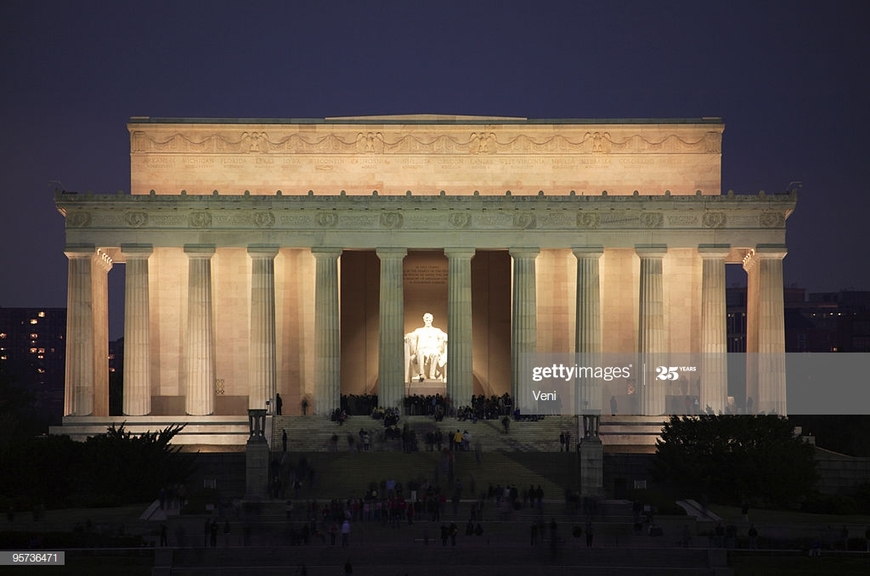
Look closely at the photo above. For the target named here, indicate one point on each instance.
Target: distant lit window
(111, 369)
(41, 314)
(42, 350)
(34, 335)
(33, 350)
(2, 334)
(40, 357)
(33, 320)
(41, 370)
(4, 357)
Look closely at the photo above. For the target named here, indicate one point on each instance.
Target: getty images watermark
(572, 384)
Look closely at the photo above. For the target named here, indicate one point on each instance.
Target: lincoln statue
(426, 352)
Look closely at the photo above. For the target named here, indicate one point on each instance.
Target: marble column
(765, 329)
(199, 344)
(79, 370)
(714, 328)
(137, 331)
(391, 342)
(100, 285)
(327, 345)
(651, 342)
(262, 367)
(588, 334)
(460, 377)
(524, 320)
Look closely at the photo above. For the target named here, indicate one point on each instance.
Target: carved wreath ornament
(588, 220)
(459, 220)
(326, 219)
(136, 219)
(200, 219)
(392, 220)
(651, 219)
(78, 219)
(714, 220)
(524, 220)
(264, 219)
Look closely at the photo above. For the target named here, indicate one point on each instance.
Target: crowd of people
(438, 406)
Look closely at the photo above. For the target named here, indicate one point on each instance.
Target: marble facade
(291, 256)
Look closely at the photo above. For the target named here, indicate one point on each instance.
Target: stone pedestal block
(256, 468)
(591, 467)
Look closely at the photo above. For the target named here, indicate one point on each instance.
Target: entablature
(426, 221)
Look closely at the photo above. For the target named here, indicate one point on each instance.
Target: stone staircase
(346, 474)
(633, 434)
(314, 433)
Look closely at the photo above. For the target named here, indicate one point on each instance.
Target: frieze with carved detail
(460, 220)
(391, 220)
(651, 219)
(78, 219)
(264, 219)
(771, 220)
(326, 219)
(136, 219)
(199, 219)
(370, 142)
(714, 220)
(590, 220)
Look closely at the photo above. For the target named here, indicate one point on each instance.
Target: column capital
(134, 250)
(391, 252)
(763, 252)
(202, 251)
(771, 251)
(530, 252)
(79, 250)
(588, 251)
(714, 251)
(262, 251)
(460, 253)
(326, 252)
(651, 250)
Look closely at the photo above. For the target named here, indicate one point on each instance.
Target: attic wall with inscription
(425, 158)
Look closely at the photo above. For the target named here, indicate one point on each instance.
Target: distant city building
(816, 322)
(33, 354)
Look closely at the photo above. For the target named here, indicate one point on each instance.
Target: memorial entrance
(411, 254)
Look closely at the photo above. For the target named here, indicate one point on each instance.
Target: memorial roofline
(429, 119)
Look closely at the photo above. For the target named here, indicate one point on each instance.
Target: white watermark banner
(664, 384)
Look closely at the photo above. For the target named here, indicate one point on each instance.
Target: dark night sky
(790, 81)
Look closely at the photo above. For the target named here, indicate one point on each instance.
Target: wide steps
(348, 474)
(314, 433)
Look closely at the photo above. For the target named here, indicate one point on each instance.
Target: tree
(732, 459)
(119, 466)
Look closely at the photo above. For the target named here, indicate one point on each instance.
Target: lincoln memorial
(299, 257)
